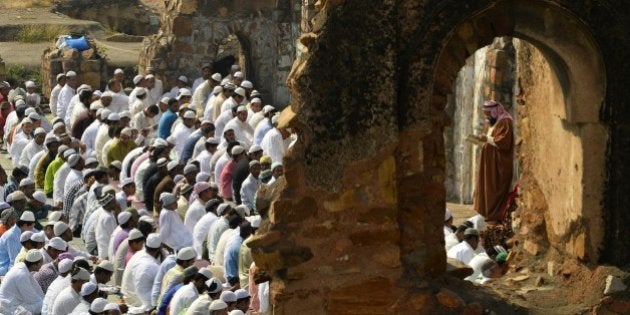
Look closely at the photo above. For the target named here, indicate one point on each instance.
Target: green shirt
(50, 174)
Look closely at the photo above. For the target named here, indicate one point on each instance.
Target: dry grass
(24, 4)
(40, 33)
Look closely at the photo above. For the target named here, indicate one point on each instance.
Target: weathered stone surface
(614, 285)
(449, 299)
(457, 269)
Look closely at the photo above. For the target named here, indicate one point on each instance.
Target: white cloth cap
(183, 78)
(57, 243)
(218, 305)
(254, 220)
(134, 234)
(172, 165)
(216, 77)
(237, 149)
(26, 182)
(29, 84)
(141, 91)
(125, 114)
(107, 265)
(217, 89)
(26, 216)
(240, 91)
(68, 153)
(34, 255)
(189, 114)
(186, 253)
(206, 273)
(107, 94)
(96, 105)
(236, 312)
(165, 100)
(183, 92)
(82, 275)
(239, 74)
(254, 148)
(447, 214)
(60, 228)
(39, 196)
(228, 296)
(65, 265)
(33, 116)
(119, 71)
(71, 74)
(137, 79)
(113, 117)
(73, 160)
(274, 119)
(26, 236)
(126, 181)
(241, 294)
(242, 210)
(149, 76)
(256, 100)
(105, 113)
(54, 216)
(38, 237)
(88, 287)
(241, 109)
(124, 217)
(111, 307)
(222, 207)
(212, 140)
(214, 286)
(60, 75)
(98, 305)
(39, 130)
(153, 241)
(247, 85)
(190, 168)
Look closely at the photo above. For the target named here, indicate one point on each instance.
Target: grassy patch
(18, 74)
(40, 33)
(23, 4)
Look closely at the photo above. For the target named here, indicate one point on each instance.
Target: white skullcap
(34, 255)
(206, 273)
(29, 110)
(98, 305)
(57, 243)
(88, 287)
(202, 177)
(96, 105)
(184, 92)
(274, 119)
(240, 91)
(216, 77)
(73, 160)
(218, 305)
(125, 114)
(58, 125)
(236, 312)
(241, 294)
(39, 196)
(228, 85)
(149, 76)
(447, 214)
(54, 216)
(256, 100)
(167, 199)
(222, 207)
(183, 78)
(26, 216)
(83, 87)
(165, 99)
(60, 75)
(29, 84)
(228, 296)
(71, 74)
(153, 241)
(67, 153)
(186, 253)
(214, 286)
(26, 121)
(217, 89)
(98, 93)
(235, 67)
(113, 117)
(239, 75)
(141, 91)
(33, 116)
(237, 149)
(254, 148)
(26, 182)
(111, 307)
(189, 114)
(90, 160)
(247, 85)
(254, 221)
(137, 79)
(162, 161)
(119, 71)
(106, 265)
(241, 109)
(107, 94)
(212, 140)
(126, 181)
(105, 199)
(39, 237)
(267, 109)
(65, 265)
(171, 140)
(26, 236)
(105, 113)
(126, 131)
(172, 165)
(124, 217)
(242, 210)
(60, 227)
(50, 138)
(135, 234)
(190, 168)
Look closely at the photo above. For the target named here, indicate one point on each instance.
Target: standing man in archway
(495, 170)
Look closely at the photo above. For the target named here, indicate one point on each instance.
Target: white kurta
(89, 136)
(204, 161)
(199, 306)
(462, 252)
(54, 96)
(71, 179)
(138, 278)
(196, 210)
(53, 291)
(19, 288)
(33, 163)
(102, 136)
(255, 119)
(136, 107)
(221, 121)
(88, 232)
(65, 95)
(475, 264)
(222, 245)
(228, 104)
(59, 182)
(243, 132)
(104, 229)
(31, 149)
(200, 231)
(183, 298)
(173, 232)
(65, 303)
(70, 110)
(78, 110)
(248, 191)
(274, 146)
(218, 167)
(261, 130)
(20, 141)
(450, 241)
(197, 83)
(120, 103)
(208, 112)
(200, 97)
(127, 160)
(181, 134)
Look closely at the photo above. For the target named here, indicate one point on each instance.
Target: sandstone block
(449, 299)
(388, 257)
(421, 301)
(473, 309)
(91, 66)
(614, 285)
(92, 79)
(531, 247)
(70, 53)
(88, 53)
(182, 25)
(457, 269)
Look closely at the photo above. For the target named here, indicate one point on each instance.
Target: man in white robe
(140, 273)
(208, 112)
(465, 251)
(276, 142)
(19, 288)
(59, 180)
(89, 135)
(33, 147)
(66, 93)
(197, 209)
(200, 231)
(72, 103)
(243, 132)
(70, 297)
(205, 156)
(190, 292)
(172, 230)
(61, 282)
(201, 93)
(206, 71)
(183, 131)
(54, 93)
(105, 224)
(250, 185)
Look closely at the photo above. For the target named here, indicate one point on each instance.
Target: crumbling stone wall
(356, 228)
(193, 29)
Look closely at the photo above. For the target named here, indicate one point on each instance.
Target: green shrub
(18, 74)
(40, 33)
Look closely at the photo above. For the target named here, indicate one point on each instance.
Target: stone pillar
(90, 67)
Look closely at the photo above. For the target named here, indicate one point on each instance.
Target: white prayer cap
(26, 121)
(235, 67)
(39, 196)
(183, 78)
(119, 71)
(68, 153)
(113, 117)
(58, 124)
(256, 100)
(267, 109)
(254, 220)
(254, 93)
(189, 114)
(33, 116)
(105, 199)
(106, 265)
(134, 234)
(171, 140)
(90, 160)
(57, 243)
(184, 92)
(274, 119)
(26, 236)
(83, 87)
(206, 273)
(242, 210)
(167, 199)
(186, 253)
(247, 85)
(26, 216)
(70, 74)
(149, 76)
(190, 168)
(38, 237)
(26, 182)
(217, 89)
(34, 255)
(229, 86)
(60, 227)
(239, 75)
(50, 138)
(153, 241)
(111, 307)
(172, 165)
(97, 93)
(137, 79)
(240, 91)
(165, 99)
(98, 305)
(105, 113)
(96, 105)
(127, 132)
(141, 91)
(254, 148)
(29, 84)
(214, 286)
(222, 207)
(126, 182)
(162, 162)
(60, 75)
(88, 287)
(202, 177)
(218, 305)
(212, 140)
(29, 110)
(124, 217)
(253, 163)
(107, 94)
(73, 160)
(216, 77)
(275, 164)
(471, 231)
(236, 312)
(241, 294)
(65, 265)
(241, 109)
(228, 296)
(447, 214)
(479, 222)
(237, 149)
(54, 216)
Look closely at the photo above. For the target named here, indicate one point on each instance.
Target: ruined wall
(91, 68)
(192, 32)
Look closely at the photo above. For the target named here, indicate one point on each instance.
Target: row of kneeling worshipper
(464, 244)
(152, 194)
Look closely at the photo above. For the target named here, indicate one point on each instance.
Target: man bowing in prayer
(495, 171)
